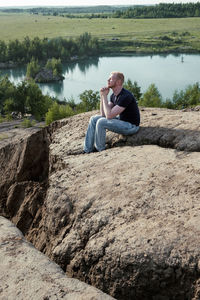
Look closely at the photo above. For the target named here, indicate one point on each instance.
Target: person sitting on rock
(120, 114)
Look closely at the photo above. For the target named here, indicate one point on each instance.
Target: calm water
(167, 72)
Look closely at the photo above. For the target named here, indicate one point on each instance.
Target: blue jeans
(96, 132)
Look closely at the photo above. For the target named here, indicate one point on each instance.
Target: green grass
(131, 34)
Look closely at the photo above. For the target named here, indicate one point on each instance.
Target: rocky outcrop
(28, 274)
(46, 75)
(165, 128)
(24, 161)
(125, 220)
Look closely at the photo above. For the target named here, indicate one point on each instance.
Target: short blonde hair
(119, 76)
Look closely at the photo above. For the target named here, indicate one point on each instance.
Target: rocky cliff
(125, 220)
(28, 274)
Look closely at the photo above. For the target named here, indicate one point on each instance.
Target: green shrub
(9, 105)
(89, 101)
(26, 123)
(187, 98)
(151, 98)
(8, 117)
(57, 112)
(168, 104)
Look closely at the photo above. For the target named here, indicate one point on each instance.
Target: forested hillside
(43, 49)
(162, 10)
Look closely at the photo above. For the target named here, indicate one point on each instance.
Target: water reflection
(83, 65)
(164, 55)
(53, 87)
(15, 75)
(169, 72)
(69, 67)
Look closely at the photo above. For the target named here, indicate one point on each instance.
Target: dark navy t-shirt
(126, 99)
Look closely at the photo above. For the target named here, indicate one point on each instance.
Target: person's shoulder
(128, 95)
(126, 92)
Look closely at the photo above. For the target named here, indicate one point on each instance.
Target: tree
(26, 97)
(55, 65)
(151, 98)
(26, 46)
(189, 97)
(36, 48)
(36, 104)
(192, 94)
(168, 104)
(7, 91)
(43, 49)
(89, 100)
(32, 68)
(84, 40)
(15, 51)
(9, 105)
(162, 10)
(133, 88)
(3, 51)
(20, 97)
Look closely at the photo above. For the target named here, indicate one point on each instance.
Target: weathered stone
(126, 220)
(166, 128)
(26, 273)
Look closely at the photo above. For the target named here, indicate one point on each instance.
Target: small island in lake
(51, 72)
(47, 75)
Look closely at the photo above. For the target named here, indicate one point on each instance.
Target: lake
(168, 72)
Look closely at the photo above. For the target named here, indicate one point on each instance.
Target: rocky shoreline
(125, 220)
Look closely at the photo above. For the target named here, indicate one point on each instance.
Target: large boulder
(125, 220)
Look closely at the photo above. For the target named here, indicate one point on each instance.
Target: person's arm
(109, 110)
(101, 107)
(110, 104)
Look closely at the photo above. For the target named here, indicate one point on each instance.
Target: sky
(15, 3)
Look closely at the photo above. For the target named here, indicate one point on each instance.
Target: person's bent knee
(102, 121)
(94, 119)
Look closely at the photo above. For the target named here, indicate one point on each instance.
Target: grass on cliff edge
(121, 32)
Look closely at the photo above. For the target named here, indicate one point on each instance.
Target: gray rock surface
(46, 75)
(26, 273)
(126, 220)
